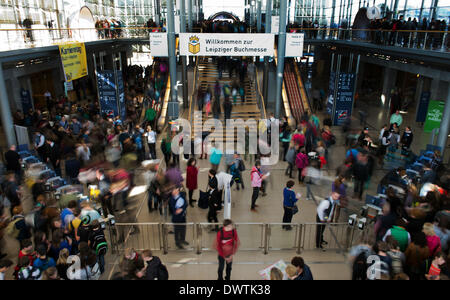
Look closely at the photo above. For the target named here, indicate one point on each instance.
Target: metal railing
(261, 103)
(264, 237)
(413, 39)
(39, 36)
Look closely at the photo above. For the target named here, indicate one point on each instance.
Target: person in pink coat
(191, 179)
(433, 241)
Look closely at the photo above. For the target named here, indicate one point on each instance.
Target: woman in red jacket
(191, 178)
(226, 244)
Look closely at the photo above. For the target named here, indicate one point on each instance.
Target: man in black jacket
(52, 155)
(155, 270)
(12, 159)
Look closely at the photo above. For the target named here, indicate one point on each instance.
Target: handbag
(203, 200)
(294, 209)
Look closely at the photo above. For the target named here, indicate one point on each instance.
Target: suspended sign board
(73, 57)
(158, 44)
(226, 44)
(294, 44)
(275, 24)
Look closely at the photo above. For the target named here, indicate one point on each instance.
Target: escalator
(296, 92)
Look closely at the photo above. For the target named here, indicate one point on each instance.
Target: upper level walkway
(417, 42)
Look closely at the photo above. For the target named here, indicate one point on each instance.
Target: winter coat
(191, 178)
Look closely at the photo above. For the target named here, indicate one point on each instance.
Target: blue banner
(330, 99)
(422, 108)
(25, 97)
(121, 91)
(344, 98)
(106, 85)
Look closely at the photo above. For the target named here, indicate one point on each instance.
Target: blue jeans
(101, 263)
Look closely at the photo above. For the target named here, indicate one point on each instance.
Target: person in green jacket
(396, 118)
(150, 116)
(166, 147)
(399, 233)
(285, 138)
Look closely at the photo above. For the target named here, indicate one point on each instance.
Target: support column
(445, 124)
(434, 89)
(266, 58)
(258, 17)
(281, 53)
(172, 60)
(390, 78)
(421, 12)
(183, 58)
(190, 15)
(5, 112)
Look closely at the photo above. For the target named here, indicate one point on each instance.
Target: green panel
(434, 115)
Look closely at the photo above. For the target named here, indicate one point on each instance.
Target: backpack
(100, 245)
(241, 166)
(12, 229)
(163, 274)
(300, 161)
(360, 267)
(232, 237)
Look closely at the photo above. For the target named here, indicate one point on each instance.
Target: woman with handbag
(214, 198)
(289, 204)
(191, 179)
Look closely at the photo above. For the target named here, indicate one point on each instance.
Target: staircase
(208, 74)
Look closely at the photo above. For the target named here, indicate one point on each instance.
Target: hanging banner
(422, 108)
(294, 44)
(73, 57)
(25, 98)
(121, 93)
(106, 85)
(275, 24)
(158, 44)
(226, 44)
(434, 115)
(344, 98)
(330, 100)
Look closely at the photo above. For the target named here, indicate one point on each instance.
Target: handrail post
(266, 229)
(299, 238)
(199, 238)
(164, 239)
(444, 37)
(425, 41)
(410, 39)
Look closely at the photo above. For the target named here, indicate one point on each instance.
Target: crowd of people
(109, 29)
(81, 145)
(210, 99)
(384, 31)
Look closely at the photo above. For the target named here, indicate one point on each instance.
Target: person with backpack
(27, 271)
(18, 228)
(325, 213)
(25, 251)
(67, 213)
(226, 243)
(285, 138)
(301, 161)
(178, 205)
(104, 185)
(42, 261)
(97, 242)
(236, 169)
(155, 269)
(399, 233)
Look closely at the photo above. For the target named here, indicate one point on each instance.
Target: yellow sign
(194, 45)
(73, 57)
